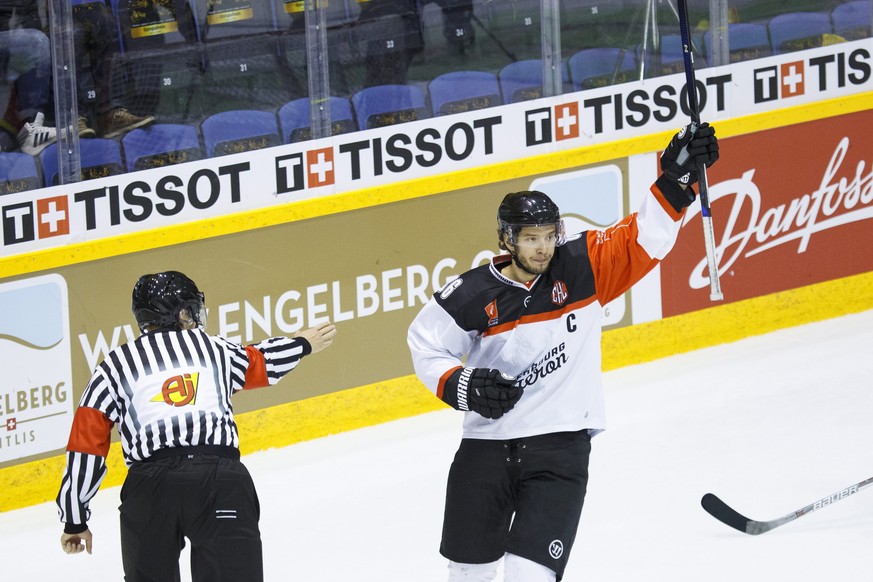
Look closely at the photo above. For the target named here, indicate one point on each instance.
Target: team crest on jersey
(179, 390)
(491, 311)
(559, 293)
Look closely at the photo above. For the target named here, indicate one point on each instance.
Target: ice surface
(770, 424)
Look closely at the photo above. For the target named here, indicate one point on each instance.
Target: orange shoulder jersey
(165, 389)
(547, 335)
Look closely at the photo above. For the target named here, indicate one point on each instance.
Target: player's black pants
(209, 499)
(522, 496)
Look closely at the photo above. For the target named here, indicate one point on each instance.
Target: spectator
(24, 50)
(95, 31)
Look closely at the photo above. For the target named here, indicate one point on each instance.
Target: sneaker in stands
(34, 136)
(120, 120)
(85, 132)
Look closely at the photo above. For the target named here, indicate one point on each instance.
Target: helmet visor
(526, 236)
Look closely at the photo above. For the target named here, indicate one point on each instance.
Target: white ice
(770, 424)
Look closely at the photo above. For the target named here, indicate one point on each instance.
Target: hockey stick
(715, 293)
(729, 516)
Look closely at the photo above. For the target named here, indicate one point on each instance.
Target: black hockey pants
(209, 499)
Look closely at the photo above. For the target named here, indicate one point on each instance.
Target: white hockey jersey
(546, 334)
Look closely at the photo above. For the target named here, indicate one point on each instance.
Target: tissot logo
(819, 74)
(22, 224)
(542, 124)
(318, 170)
(784, 80)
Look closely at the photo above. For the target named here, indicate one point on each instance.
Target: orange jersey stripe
(620, 264)
(256, 373)
(537, 317)
(90, 433)
(442, 384)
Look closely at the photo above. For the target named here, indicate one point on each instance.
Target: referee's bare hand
(320, 336)
(75, 543)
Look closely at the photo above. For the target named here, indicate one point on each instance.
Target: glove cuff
(678, 198)
(455, 390)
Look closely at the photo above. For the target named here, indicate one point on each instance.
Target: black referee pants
(209, 499)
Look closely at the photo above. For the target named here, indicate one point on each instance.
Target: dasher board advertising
(205, 189)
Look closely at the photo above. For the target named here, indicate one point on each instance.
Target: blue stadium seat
(388, 105)
(746, 41)
(232, 132)
(463, 91)
(599, 67)
(852, 20)
(795, 31)
(18, 172)
(160, 145)
(99, 158)
(521, 81)
(295, 119)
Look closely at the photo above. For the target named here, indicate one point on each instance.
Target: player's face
(535, 247)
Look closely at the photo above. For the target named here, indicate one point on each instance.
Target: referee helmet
(158, 300)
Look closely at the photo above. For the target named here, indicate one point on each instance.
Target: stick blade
(726, 514)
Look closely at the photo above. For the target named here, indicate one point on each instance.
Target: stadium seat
(389, 104)
(521, 81)
(295, 119)
(599, 67)
(794, 31)
(160, 145)
(18, 172)
(99, 158)
(238, 38)
(852, 20)
(232, 132)
(463, 91)
(159, 52)
(746, 41)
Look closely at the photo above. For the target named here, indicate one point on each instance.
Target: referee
(169, 392)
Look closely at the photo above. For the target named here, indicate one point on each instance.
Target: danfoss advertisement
(791, 207)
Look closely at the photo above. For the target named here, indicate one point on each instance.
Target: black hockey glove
(482, 390)
(679, 160)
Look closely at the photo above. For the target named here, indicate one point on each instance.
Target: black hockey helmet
(159, 298)
(528, 208)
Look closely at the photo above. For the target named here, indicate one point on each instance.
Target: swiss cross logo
(491, 312)
(320, 166)
(793, 76)
(52, 217)
(11, 423)
(179, 390)
(559, 293)
(566, 121)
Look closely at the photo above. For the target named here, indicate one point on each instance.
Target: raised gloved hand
(482, 390)
(679, 161)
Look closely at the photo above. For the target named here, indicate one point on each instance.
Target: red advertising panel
(791, 207)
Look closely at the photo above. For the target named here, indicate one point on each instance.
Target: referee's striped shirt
(165, 389)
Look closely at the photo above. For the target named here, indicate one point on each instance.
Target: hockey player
(169, 392)
(516, 345)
